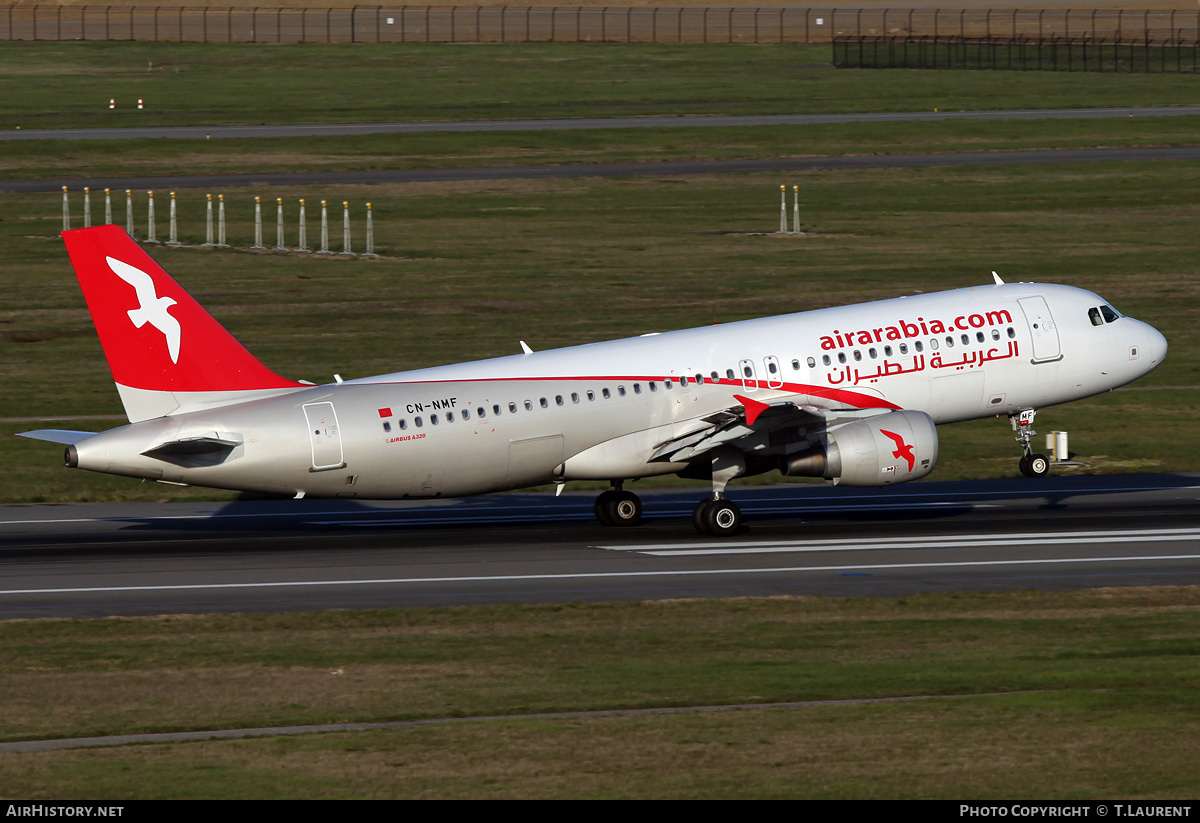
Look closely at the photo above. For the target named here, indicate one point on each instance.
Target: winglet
(754, 408)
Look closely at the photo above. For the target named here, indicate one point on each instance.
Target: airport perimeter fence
(472, 24)
(1017, 53)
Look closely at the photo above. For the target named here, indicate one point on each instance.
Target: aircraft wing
(739, 425)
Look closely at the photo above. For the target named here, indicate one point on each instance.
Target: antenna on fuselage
(999, 282)
(525, 348)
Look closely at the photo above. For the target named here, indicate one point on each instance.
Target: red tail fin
(156, 337)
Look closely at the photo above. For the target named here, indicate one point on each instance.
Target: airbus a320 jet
(850, 394)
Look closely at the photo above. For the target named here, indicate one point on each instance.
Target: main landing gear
(1032, 465)
(717, 516)
(617, 507)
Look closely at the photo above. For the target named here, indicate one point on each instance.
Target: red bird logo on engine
(902, 449)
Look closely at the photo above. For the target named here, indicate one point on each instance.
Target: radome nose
(1155, 345)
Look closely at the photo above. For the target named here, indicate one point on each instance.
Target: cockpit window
(1110, 314)
(1094, 315)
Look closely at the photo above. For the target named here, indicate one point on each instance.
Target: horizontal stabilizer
(64, 436)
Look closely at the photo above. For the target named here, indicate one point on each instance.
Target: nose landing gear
(1031, 465)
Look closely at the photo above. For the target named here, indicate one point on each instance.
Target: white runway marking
(921, 542)
(598, 575)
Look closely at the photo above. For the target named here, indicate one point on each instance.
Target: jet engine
(876, 451)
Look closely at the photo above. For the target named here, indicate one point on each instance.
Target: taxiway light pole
(129, 212)
(795, 209)
(279, 225)
(108, 207)
(303, 246)
(174, 241)
(370, 252)
(66, 211)
(324, 228)
(783, 209)
(221, 244)
(346, 228)
(150, 229)
(87, 206)
(258, 223)
(208, 224)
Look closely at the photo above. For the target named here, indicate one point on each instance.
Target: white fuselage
(602, 411)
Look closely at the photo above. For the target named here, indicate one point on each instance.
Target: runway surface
(661, 169)
(219, 132)
(94, 560)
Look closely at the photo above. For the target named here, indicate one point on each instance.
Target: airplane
(851, 394)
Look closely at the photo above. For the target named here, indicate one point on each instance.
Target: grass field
(1100, 700)
(189, 84)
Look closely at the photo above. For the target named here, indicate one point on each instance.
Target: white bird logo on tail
(152, 309)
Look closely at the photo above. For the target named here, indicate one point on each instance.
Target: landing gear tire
(720, 518)
(603, 505)
(1035, 465)
(698, 515)
(618, 508)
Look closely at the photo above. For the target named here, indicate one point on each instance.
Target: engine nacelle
(878, 451)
